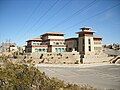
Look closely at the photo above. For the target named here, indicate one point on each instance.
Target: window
(40, 43)
(36, 50)
(83, 41)
(56, 49)
(70, 49)
(57, 43)
(29, 50)
(37, 43)
(60, 42)
(53, 42)
(43, 50)
(34, 43)
(83, 48)
(89, 48)
(40, 50)
(59, 49)
(88, 41)
(75, 48)
(63, 49)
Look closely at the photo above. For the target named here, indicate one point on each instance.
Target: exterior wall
(87, 45)
(81, 45)
(29, 43)
(97, 45)
(55, 37)
(71, 44)
(57, 42)
(13, 48)
(32, 46)
(39, 49)
(36, 43)
(46, 37)
(58, 49)
(5, 47)
(28, 49)
(48, 43)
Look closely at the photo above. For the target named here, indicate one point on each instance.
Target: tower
(85, 40)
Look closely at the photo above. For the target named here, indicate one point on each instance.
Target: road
(103, 76)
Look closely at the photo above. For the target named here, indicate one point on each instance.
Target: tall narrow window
(63, 50)
(40, 50)
(43, 50)
(89, 48)
(83, 48)
(88, 41)
(83, 41)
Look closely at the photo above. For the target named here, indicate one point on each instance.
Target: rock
(118, 61)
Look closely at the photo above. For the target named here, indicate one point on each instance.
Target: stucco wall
(55, 37)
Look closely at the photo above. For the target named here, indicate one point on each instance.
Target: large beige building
(85, 43)
(48, 42)
(52, 47)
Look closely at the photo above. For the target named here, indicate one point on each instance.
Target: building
(48, 42)
(35, 45)
(71, 43)
(54, 48)
(8, 47)
(85, 43)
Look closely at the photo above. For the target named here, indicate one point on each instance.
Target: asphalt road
(102, 77)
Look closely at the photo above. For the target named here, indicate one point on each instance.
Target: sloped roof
(53, 33)
(35, 39)
(96, 36)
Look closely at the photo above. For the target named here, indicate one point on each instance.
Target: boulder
(118, 61)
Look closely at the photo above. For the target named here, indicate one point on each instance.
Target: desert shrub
(27, 77)
(76, 62)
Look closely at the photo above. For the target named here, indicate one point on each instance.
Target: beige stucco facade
(71, 43)
(97, 44)
(86, 42)
(48, 42)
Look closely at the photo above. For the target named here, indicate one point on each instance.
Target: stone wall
(56, 58)
(99, 57)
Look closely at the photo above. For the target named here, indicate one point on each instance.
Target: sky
(21, 20)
